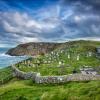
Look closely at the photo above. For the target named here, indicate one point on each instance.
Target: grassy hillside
(26, 90)
(17, 89)
(72, 55)
(5, 75)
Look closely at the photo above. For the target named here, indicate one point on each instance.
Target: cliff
(41, 48)
(33, 49)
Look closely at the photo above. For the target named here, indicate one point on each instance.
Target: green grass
(5, 73)
(70, 91)
(69, 64)
(17, 89)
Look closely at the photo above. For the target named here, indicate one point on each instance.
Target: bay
(7, 60)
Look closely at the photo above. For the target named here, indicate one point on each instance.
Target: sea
(7, 60)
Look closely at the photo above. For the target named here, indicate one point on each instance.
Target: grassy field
(17, 89)
(55, 69)
(26, 90)
(5, 72)
(5, 75)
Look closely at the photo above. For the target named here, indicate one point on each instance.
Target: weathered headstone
(90, 54)
(68, 56)
(78, 57)
(60, 62)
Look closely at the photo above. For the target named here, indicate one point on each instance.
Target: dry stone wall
(66, 78)
(23, 75)
(53, 79)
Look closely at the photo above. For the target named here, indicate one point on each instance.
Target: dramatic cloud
(59, 20)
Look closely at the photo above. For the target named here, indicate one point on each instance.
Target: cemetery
(37, 78)
(59, 62)
(59, 66)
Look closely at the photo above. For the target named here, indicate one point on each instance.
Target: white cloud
(22, 25)
(9, 28)
(50, 23)
(88, 38)
(19, 22)
(26, 39)
(77, 19)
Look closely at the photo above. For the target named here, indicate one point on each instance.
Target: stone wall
(37, 78)
(65, 78)
(23, 75)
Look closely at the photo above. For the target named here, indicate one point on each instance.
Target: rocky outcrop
(33, 49)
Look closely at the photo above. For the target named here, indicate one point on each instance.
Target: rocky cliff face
(42, 48)
(33, 49)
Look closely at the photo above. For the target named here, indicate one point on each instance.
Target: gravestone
(68, 56)
(33, 65)
(78, 57)
(90, 54)
(60, 62)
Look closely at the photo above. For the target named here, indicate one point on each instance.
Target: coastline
(7, 60)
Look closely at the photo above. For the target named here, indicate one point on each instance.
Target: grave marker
(78, 57)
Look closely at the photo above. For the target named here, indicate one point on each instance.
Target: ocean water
(7, 60)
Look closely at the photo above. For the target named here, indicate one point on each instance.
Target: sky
(24, 21)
